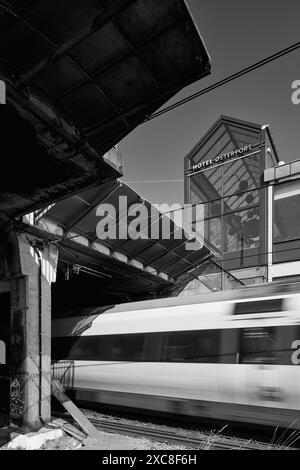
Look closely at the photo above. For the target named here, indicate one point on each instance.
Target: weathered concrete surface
(30, 270)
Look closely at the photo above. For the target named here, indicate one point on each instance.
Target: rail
(207, 441)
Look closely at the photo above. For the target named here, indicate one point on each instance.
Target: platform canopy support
(30, 266)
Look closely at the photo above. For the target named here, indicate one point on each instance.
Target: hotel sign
(221, 158)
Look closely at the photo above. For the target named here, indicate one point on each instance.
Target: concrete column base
(30, 268)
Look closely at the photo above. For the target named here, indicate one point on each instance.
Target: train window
(229, 346)
(126, 347)
(258, 346)
(106, 348)
(153, 347)
(258, 306)
(84, 348)
(61, 346)
(192, 346)
(288, 345)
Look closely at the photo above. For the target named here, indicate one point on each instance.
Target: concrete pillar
(31, 268)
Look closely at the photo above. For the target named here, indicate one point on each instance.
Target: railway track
(207, 441)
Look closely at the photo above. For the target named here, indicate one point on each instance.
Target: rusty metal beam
(137, 53)
(134, 51)
(117, 7)
(99, 88)
(154, 102)
(14, 15)
(72, 139)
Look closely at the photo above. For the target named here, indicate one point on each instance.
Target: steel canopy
(80, 76)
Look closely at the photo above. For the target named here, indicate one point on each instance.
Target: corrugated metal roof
(78, 217)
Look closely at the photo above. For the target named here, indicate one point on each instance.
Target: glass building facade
(286, 228)
(284, 221)
(224, 173)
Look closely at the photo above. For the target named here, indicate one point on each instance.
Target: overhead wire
(228, 79)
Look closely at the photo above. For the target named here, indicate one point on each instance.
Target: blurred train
(231, 356)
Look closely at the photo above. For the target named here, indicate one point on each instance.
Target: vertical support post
(30, 282)
(24, 390)
(270, 233)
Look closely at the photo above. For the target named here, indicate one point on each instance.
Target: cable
(262, 253)
(258, 188)
(226, 80)
(154, 181)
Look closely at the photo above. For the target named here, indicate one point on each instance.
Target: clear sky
(237, 33)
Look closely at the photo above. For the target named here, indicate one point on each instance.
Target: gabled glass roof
(240, 174)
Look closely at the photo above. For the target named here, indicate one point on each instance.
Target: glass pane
(213, 281)
(212, 234)
(287, 216)
(207, 185)
(258, 306)
(242, 174)
(241, 201)
(245, 139)
(206, 211)
(108, 348)
(192, 346)
(241, 230)
(246, 135)
(215, 144)
(258, 346)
